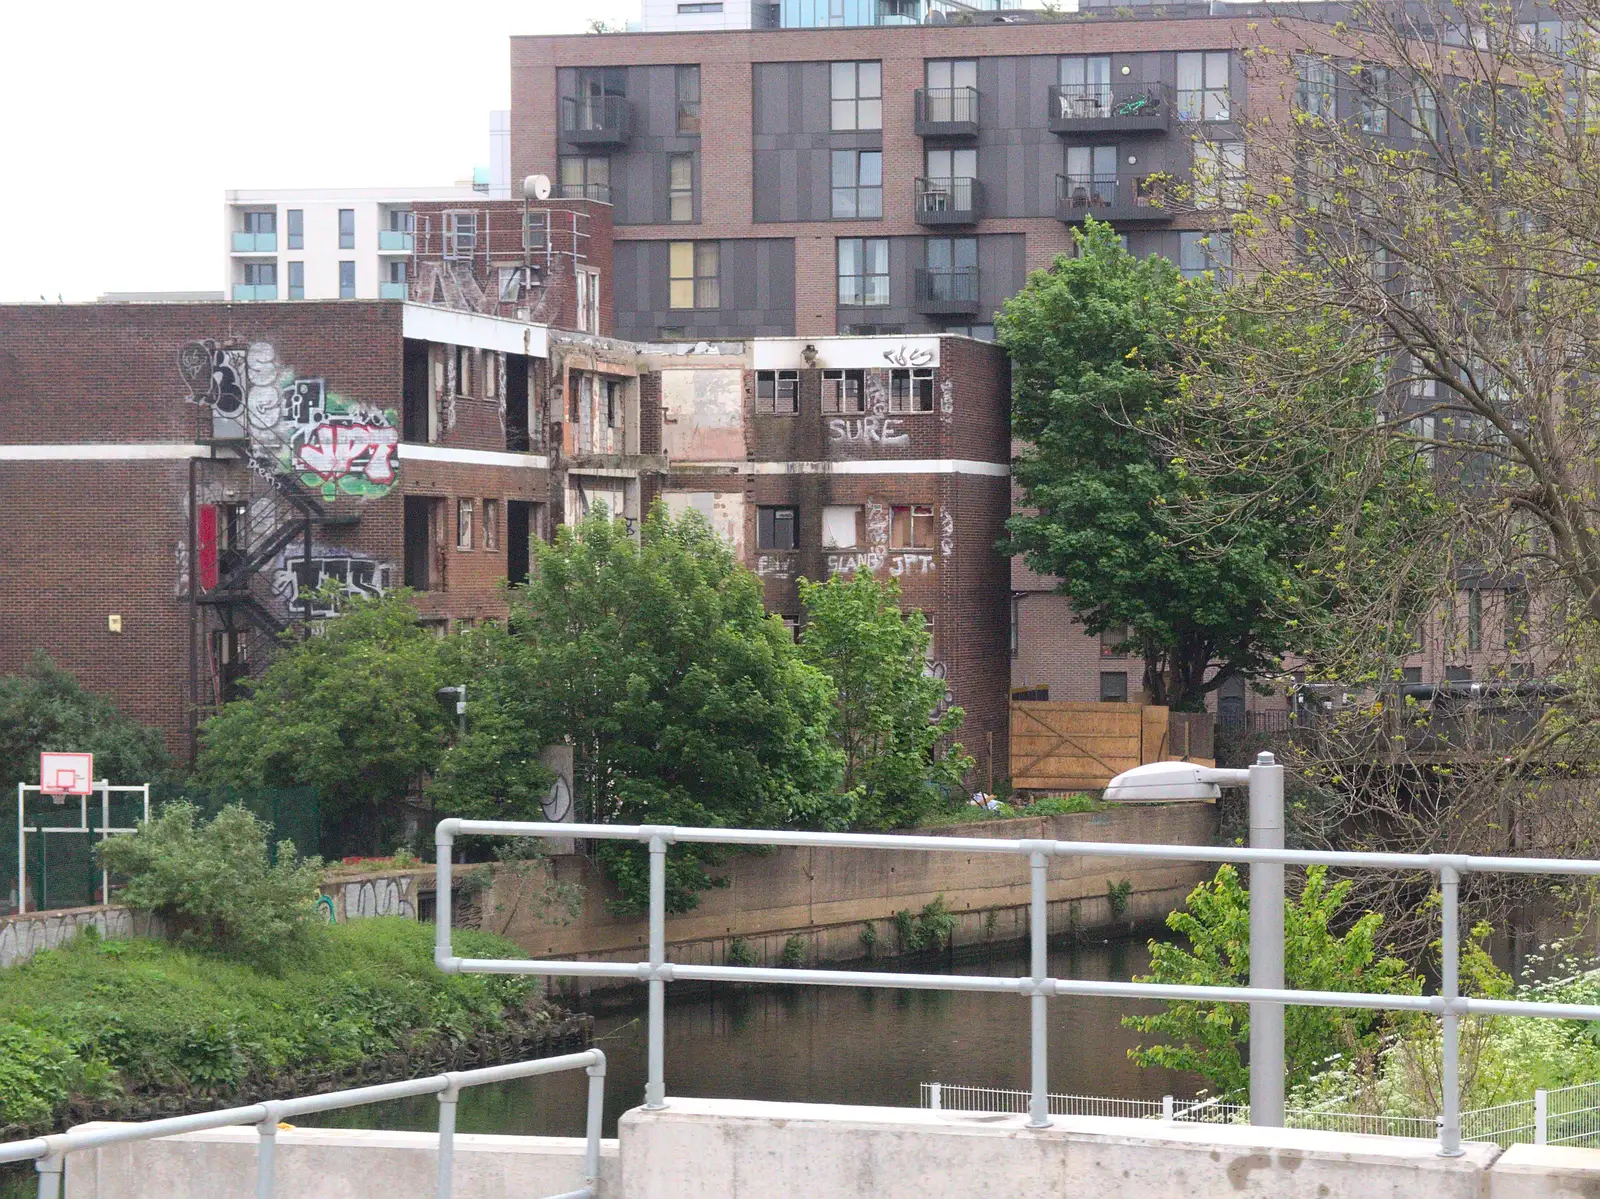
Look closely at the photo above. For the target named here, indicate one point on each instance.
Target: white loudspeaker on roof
(536, 187)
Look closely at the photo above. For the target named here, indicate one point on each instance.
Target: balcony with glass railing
(1127, 199)
(395, 241)
(392, 291)
(947, 112)
(255, 243)
(947, 293)
(596, 120)
(1109, 109)
(957, 201)
(255, 291)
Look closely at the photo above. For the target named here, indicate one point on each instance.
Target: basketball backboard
(66, 774)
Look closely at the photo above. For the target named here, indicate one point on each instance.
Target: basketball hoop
(61, 775)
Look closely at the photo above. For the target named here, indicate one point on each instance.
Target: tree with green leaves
(899, 758)
(685, 703)
(1208, 1038)
(352, 712)
(46, 708)
(1206, 572)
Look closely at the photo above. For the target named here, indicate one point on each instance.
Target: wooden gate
(1082, 746)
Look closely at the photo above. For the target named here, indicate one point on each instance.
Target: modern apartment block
(660, 16)
(324, 243)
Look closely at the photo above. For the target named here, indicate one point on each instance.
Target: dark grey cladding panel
(756, 285)
(790, 98)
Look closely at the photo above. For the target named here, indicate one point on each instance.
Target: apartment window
(463, 524)
(778, 392)
(858, 183)
(688, 87)
(1315, 88)
(843, 526)
(863, 271)
(347, 280)
(402, 220)
(347, 228)
(857, 94)
(1516, 618)
(1474, 619)
(1113, 686)
(680, 187)
(464, 357)
(1111, 640)
(261, 274)
(491, 524)
(1202, 252)
(952, 88)
(297, 280)
(777, 528)
(1427, 110)
(843, 392)
(699, 9)
(588, 300)
(1219, 174)
(613, 390)
(1203, 86)
(296, 219)
(261, 222)
(1085, 82)
(1458, 674)
(693, 270)
(911, 527)
(911, 390)
(397, 271)
(585, 176)
(952, 264)
(1372, 99)
(460, 234)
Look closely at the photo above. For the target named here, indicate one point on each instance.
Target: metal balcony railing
(1110, 109)
(1449, 1005)
(952, 292)
(946, 111)
(1126, 198)
(584, 191)
(955, 201)
(49, 1153)
(596, 120)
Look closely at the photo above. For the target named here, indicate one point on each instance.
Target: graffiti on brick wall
(328, 573)
(775, 566)
(868, 431)
(876, 553)
(947, 397)
(935, 669)
(947, 532)
(911, 562)
(379, 897)
(295, 425)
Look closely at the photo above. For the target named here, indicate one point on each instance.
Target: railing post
(1266, 944)
(445, 1180)
(1449, 988)
(936, 1096)
(443, 945)
(50, 1170)
(596, 1119)
(267, 1152)
(1541, 1118)
(655, 1087)
(1167, 1107)
(1039, 919)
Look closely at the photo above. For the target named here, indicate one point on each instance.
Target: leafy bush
(794, 951)
(145, 1017)
(930, 928)
(213, 882)
(739, 953)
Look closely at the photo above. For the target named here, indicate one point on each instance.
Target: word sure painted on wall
(868, 430)
(294, 426)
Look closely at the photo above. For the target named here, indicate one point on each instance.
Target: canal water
(828, 1045)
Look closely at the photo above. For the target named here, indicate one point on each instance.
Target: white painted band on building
(439, 453)
(846, 353)
(870, 466)
(109, 451)
(427, 323)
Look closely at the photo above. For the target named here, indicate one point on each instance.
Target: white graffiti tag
(869, 430)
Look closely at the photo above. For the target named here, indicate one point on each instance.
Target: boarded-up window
(912, 527)
(843, 526)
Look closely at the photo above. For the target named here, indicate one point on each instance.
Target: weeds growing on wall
(930, 928)
(739, 953)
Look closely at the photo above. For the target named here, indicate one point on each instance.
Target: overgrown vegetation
(119, 1027)
(929, 929)
(46, 708)
(215, 884)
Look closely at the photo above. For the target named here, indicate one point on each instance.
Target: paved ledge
(1546, 1172)
(706, 1147)
(335, 1163)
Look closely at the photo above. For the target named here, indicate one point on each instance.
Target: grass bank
(137, 1028)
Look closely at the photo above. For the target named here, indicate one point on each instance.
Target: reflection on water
(828, 1045)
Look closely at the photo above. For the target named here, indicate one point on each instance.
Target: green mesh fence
(290, 812)
(61, 870)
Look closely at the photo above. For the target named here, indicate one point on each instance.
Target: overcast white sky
(122, 124)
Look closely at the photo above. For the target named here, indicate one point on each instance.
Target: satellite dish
(558, 804)
(536, 187)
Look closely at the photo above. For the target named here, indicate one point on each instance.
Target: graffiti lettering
(869, 430)
(378, 897)
(338, 448)
(908, 356)
(774, 566)
(351, 575)
(947, 532)
(910, 563)
(215, 376)
(848, 564)
(936, 670)
(947, 396)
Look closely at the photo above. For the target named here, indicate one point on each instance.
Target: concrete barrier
(335, 1163)
(706, 1147)
(22, 936)
(1546, 1172)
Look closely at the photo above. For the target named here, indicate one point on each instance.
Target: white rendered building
(325, 243)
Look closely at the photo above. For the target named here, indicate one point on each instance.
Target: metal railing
(596, 119)
(1267, 1001)
(957, 200)
(49, 1153)
(942, 291)
(946, 106)
(1118, 106)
